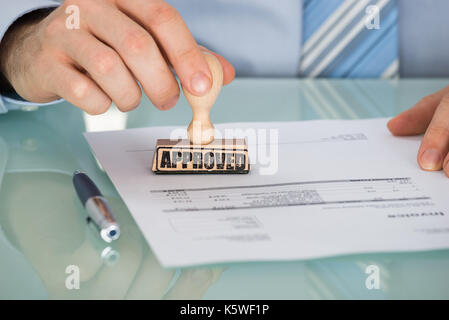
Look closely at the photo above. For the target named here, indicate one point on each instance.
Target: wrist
(13, 46)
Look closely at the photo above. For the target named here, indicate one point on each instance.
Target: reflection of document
(339, 187)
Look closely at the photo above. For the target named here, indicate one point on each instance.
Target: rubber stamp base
(221, 156)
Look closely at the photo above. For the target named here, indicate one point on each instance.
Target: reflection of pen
(98, 211)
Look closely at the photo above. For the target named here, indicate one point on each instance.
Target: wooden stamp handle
(201, 129)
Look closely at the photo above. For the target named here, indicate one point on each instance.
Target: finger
(78, 89)
(446, 165)
(228, 69)
(106, 68)
(140, 53)
(416, 120)
(435, 144)
(175, 39)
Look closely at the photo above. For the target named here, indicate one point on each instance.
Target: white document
(340, 187)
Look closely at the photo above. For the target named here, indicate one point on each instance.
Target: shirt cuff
(8, 15)
(13, 101)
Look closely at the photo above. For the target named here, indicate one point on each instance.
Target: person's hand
(430, 116)
(120, 43)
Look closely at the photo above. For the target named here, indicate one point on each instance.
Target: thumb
(228, 69)
(416, 120)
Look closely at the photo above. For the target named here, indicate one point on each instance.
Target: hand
(119, 44)
(430, 116)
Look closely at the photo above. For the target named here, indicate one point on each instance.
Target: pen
(98, 211)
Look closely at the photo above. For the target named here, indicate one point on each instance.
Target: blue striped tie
(339, 40)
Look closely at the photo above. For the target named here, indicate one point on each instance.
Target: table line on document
(407, 179)
(295, 204)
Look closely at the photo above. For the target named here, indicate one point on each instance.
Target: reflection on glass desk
(42, 228)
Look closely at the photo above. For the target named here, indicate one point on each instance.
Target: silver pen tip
(110, 233)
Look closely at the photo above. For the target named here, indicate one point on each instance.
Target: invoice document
(315, 189)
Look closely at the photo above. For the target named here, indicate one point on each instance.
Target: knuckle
(136, 41)
(53, 28)
(438, 131)
(104, 62)
(187, 54)
(162, 13)
(79, 89)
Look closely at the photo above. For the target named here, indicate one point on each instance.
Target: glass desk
(42, 230)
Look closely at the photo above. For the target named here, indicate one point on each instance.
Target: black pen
(98, 211)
